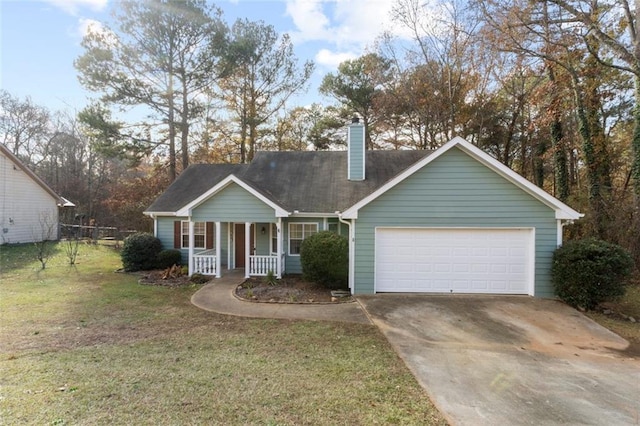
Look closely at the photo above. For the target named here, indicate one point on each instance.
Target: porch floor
(219, 296)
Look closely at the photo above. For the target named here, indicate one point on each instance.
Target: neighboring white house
(28, 207)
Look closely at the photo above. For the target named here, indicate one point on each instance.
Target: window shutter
(177, 234)
(209, 243)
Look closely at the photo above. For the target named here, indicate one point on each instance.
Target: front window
(297, 233)
(274, 238)
(199, 235)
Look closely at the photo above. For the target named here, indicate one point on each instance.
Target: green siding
(234, 204)
(292, 263)
(356, 152)
(165, 234)
(455, 191)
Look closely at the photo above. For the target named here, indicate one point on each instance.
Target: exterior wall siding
(455, 191)
(165, 234)
(356, 152)
(292, 263)
(25, 207)
(234, 204)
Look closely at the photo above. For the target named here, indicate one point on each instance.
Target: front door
(239, 245)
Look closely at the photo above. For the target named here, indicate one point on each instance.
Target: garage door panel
(454, 260)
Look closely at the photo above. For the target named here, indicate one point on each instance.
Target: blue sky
(39, 40)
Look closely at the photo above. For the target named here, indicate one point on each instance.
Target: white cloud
(310, 21)
(346, 29)
(330, 59)
(73, 7)
(85, 25)
(341, 22)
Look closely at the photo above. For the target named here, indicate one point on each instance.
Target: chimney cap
(355, 119)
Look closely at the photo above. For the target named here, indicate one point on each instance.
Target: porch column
(279, 249)
(191, 242)
(247, 249)
(218, 251)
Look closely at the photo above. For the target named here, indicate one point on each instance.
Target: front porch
(206, 263)
(253, 247)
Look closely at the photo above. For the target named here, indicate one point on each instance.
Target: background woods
(550, 88)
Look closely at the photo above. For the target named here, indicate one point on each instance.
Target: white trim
(218, 231)
(279, 246)
(559, 226)
(352, 250)
(297, 214)
(531, 264)
(303, 236)
(231, 260)
(158, 214)
(187, 209)
(562, 210)
(191, 243)
(191, 228)
(247, 249)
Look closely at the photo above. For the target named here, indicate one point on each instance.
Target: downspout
(561, 224)
(352, 240)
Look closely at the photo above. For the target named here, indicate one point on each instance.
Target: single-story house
(451, 220)
(29, 208)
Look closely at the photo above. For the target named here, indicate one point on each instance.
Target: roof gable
(562, 210)
(187, 209)
(20, 165)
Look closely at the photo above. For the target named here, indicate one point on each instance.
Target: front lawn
(87, 345)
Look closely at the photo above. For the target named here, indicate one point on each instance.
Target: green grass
(88, 345)
(628, 305)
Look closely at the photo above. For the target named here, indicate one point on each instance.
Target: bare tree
(43, 237)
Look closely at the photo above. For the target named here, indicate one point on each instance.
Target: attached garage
(455, 260)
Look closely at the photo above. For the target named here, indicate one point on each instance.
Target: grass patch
(87, 345)
(628, 305)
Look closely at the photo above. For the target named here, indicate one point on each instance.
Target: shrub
(198, 278)
(325, 259)
(140, 252)
(168, 258)
(270, 278)
(591, 271)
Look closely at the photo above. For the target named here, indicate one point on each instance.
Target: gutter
(352, 242)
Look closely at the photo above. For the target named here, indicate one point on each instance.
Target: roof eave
(562, 210)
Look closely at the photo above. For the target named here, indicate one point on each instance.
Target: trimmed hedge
(140, 252)
(324, 258)
(168, 258)
(588, 272)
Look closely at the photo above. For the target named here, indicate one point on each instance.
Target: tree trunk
(559, 155)
(591, 162)
(635, 144)
(184, 125)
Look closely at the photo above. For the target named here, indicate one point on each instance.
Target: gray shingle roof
(312, 182)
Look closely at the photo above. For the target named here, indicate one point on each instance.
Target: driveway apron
(504, 360)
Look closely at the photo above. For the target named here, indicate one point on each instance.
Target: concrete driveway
(506, 360)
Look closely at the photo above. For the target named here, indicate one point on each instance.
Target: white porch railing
(205, 262)
(261, 265)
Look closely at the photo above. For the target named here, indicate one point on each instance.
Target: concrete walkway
(218, 296)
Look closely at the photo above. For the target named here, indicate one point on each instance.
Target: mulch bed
(289, 289)
(156, 277)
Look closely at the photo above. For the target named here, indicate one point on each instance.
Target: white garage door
(449, 260)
